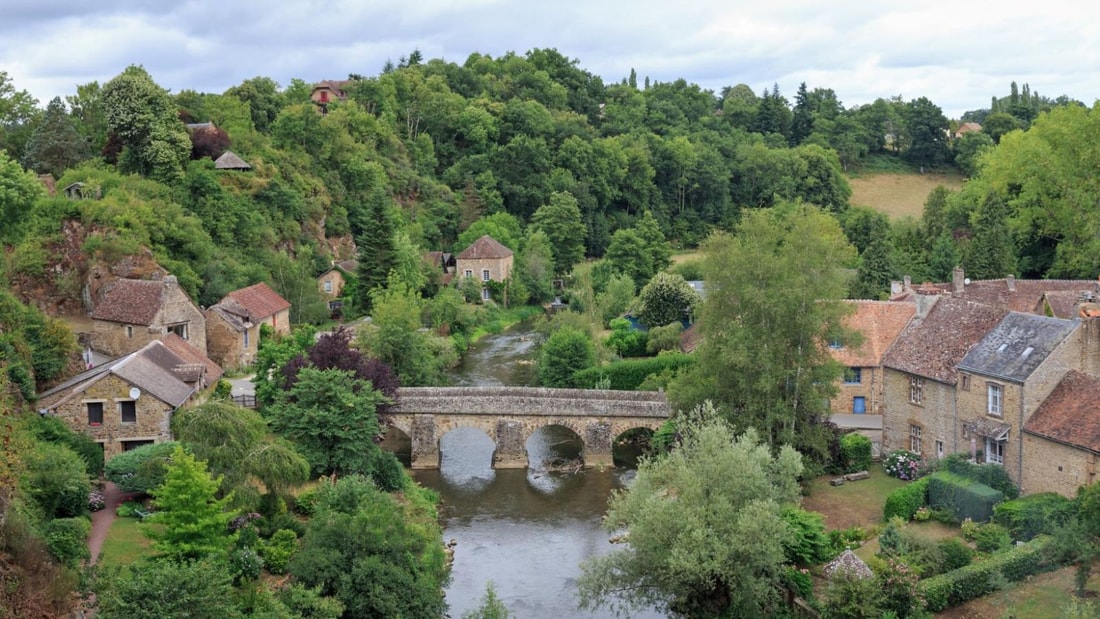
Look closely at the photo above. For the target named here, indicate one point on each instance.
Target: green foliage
(978, 579)
(665, 299)
(956, 554)
(851, 597)
(968, 499)
(1035, 514)
(992, 475)
(564, 353)
(492, 607)
(143, 117)
(702, 540)
(663, 339)
(991, 537)
(67, 539)
(902, 464)
(19, 190)
(55, 477)
(55, 144)
(809, 544)
(625, 340)
(395, 337)
(560, 220)
(52, 430)
(276, 552)
(193, 523)
(153, 589)
(905, 501)
(616, 298)
(629, 374)
(308, 602)
(141, 469)
(855, 452)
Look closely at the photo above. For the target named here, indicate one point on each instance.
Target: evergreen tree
(55, 145)
(194, 522)
(376, 252)
(659, 249)
(943, 258)
(991, 253)
(802, 121)
(875, 271)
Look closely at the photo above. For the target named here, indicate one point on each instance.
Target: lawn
(856, 503)
(125, 544)
(1044, 596)
(900, 195)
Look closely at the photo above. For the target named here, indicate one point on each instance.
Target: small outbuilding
(230, 161)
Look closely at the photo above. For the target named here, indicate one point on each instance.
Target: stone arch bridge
(510, 415)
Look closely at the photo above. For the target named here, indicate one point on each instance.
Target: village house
(487, 260)
(232, 339)
(880, 323)
(131, 313)
(331, 283)
(128, 402)
(328, 91)
(1061, 440)
(264, 306)
(441, 264)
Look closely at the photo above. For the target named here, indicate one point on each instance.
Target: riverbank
(501, 319)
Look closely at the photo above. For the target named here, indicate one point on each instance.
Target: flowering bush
(902, 464)
(96, 501)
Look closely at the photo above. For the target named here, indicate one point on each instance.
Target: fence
(247, 400)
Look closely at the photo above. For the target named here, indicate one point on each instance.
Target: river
(526, 531)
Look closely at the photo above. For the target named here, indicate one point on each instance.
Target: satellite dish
(135, 393)
(967, 281)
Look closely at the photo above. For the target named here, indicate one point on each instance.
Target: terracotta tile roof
(689, 339)
(1071, 413)
(259, 300)
(880, 322)
(1017, 346)
(1017, 295)
(193, 356)
(347, 266)
(132, 301)
(485, 247)
(933, 345)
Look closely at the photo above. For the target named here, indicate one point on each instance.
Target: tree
(565, 352)
(395, 337)
(91, 120)
(332, 419)
(55, 145)
(560, 220)
(991, 254)
(376, 252)
(143, 117)
(19, 190)
(773, 302)
(263, 98)
(968, 151)
(705, 536)
(503, 227)
(18, 115)
(193, 522)
(492, 607)
(996, 125)
(153, 589)
(927, 128)
(875, 271)
(627, 255)
(667, 298)
(616, 298)
(142, 469)
(536, 267)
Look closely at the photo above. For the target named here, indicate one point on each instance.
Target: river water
(526, 531)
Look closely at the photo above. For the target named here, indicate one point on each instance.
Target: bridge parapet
(531, 401)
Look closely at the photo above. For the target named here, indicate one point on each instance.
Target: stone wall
(934, 415)
(335, 281)
(869, 388)
(117, 339)
(500, 269)
(527, 401)
(1054, 467)
(152, 419)
(225, 345)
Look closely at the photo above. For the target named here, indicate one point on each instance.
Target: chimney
(895, 287)
(1011, 281)
(958, 281)
(170, 280)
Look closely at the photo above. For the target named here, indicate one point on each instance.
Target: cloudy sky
(957, 53)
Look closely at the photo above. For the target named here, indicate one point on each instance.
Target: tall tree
(55, 145)
(19, 190)
(665, 299)
(705, 536)
(560, 220)
(143, 117)
(802, 120)
(926, 127)
(91, 119)
(875, 271)
(18, 115)
(192, 523)
(376, 252)
(773, 302)
(991, 253)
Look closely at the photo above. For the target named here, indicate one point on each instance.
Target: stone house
(331, 283)
(920, 374)
(487, 260)
(264, 306)
(442, 264)
(131, 313)
(880, 323)
(328, 91)
(232, 339)
(128, 402)
(1061, 440)
(1006, 377)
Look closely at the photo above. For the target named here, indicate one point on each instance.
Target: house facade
(131, 313)
(1061, 440)
(264, 306)
(485, 260)
(232, 339)
(860, 391)
(127, 402)
(331, 283)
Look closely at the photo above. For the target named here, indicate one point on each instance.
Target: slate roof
(880, 322)
(1017, 346)
(233, 313)
(132, 301)
(483, 248)
(150, 369)
(193, 356)
(848, 564)
(1071, 413)
(230, 161)
(259, 300)
(933, 345)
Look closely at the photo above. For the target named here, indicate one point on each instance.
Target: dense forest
(591, 184)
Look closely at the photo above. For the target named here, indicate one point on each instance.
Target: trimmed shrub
(978, 579)
(141, 469)
(991, 537)
(277, 551)
(67, 539)
(905, 501)
(968, 499)
(855, 452)
(628, 374)
(992, 475)
(902, 464)
(1035, 514)
(955, 554)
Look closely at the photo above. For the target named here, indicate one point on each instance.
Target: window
(469, 273)
(95, 413)
(966, 382)
(246, 338)
(916, 389)
(129, 331)
(485, 294)
(994, 452)
(132, 445)
(853, 376)
(835, 344)
(915, 433)
(939, 449)
(128, 409)
(995, 400)
(484, 275)
(327, 285)
(180, 329)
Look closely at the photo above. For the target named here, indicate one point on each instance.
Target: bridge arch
(510, 415)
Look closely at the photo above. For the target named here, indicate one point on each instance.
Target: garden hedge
(1034, 514)
(855, 452)
(628, 374)
(992, 475)
(966, 498)
(905, 501)
(978, 579)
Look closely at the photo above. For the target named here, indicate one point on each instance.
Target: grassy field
(125, 544)
(1044, 596)
(856, 503)
(900, 195)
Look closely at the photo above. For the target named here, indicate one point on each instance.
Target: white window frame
(486, 294)
(485, 275)
(853, 376)
(916, 434)
(469, 273)
(916, 390)
(994, 451)
(995, 400)
(327, 285)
